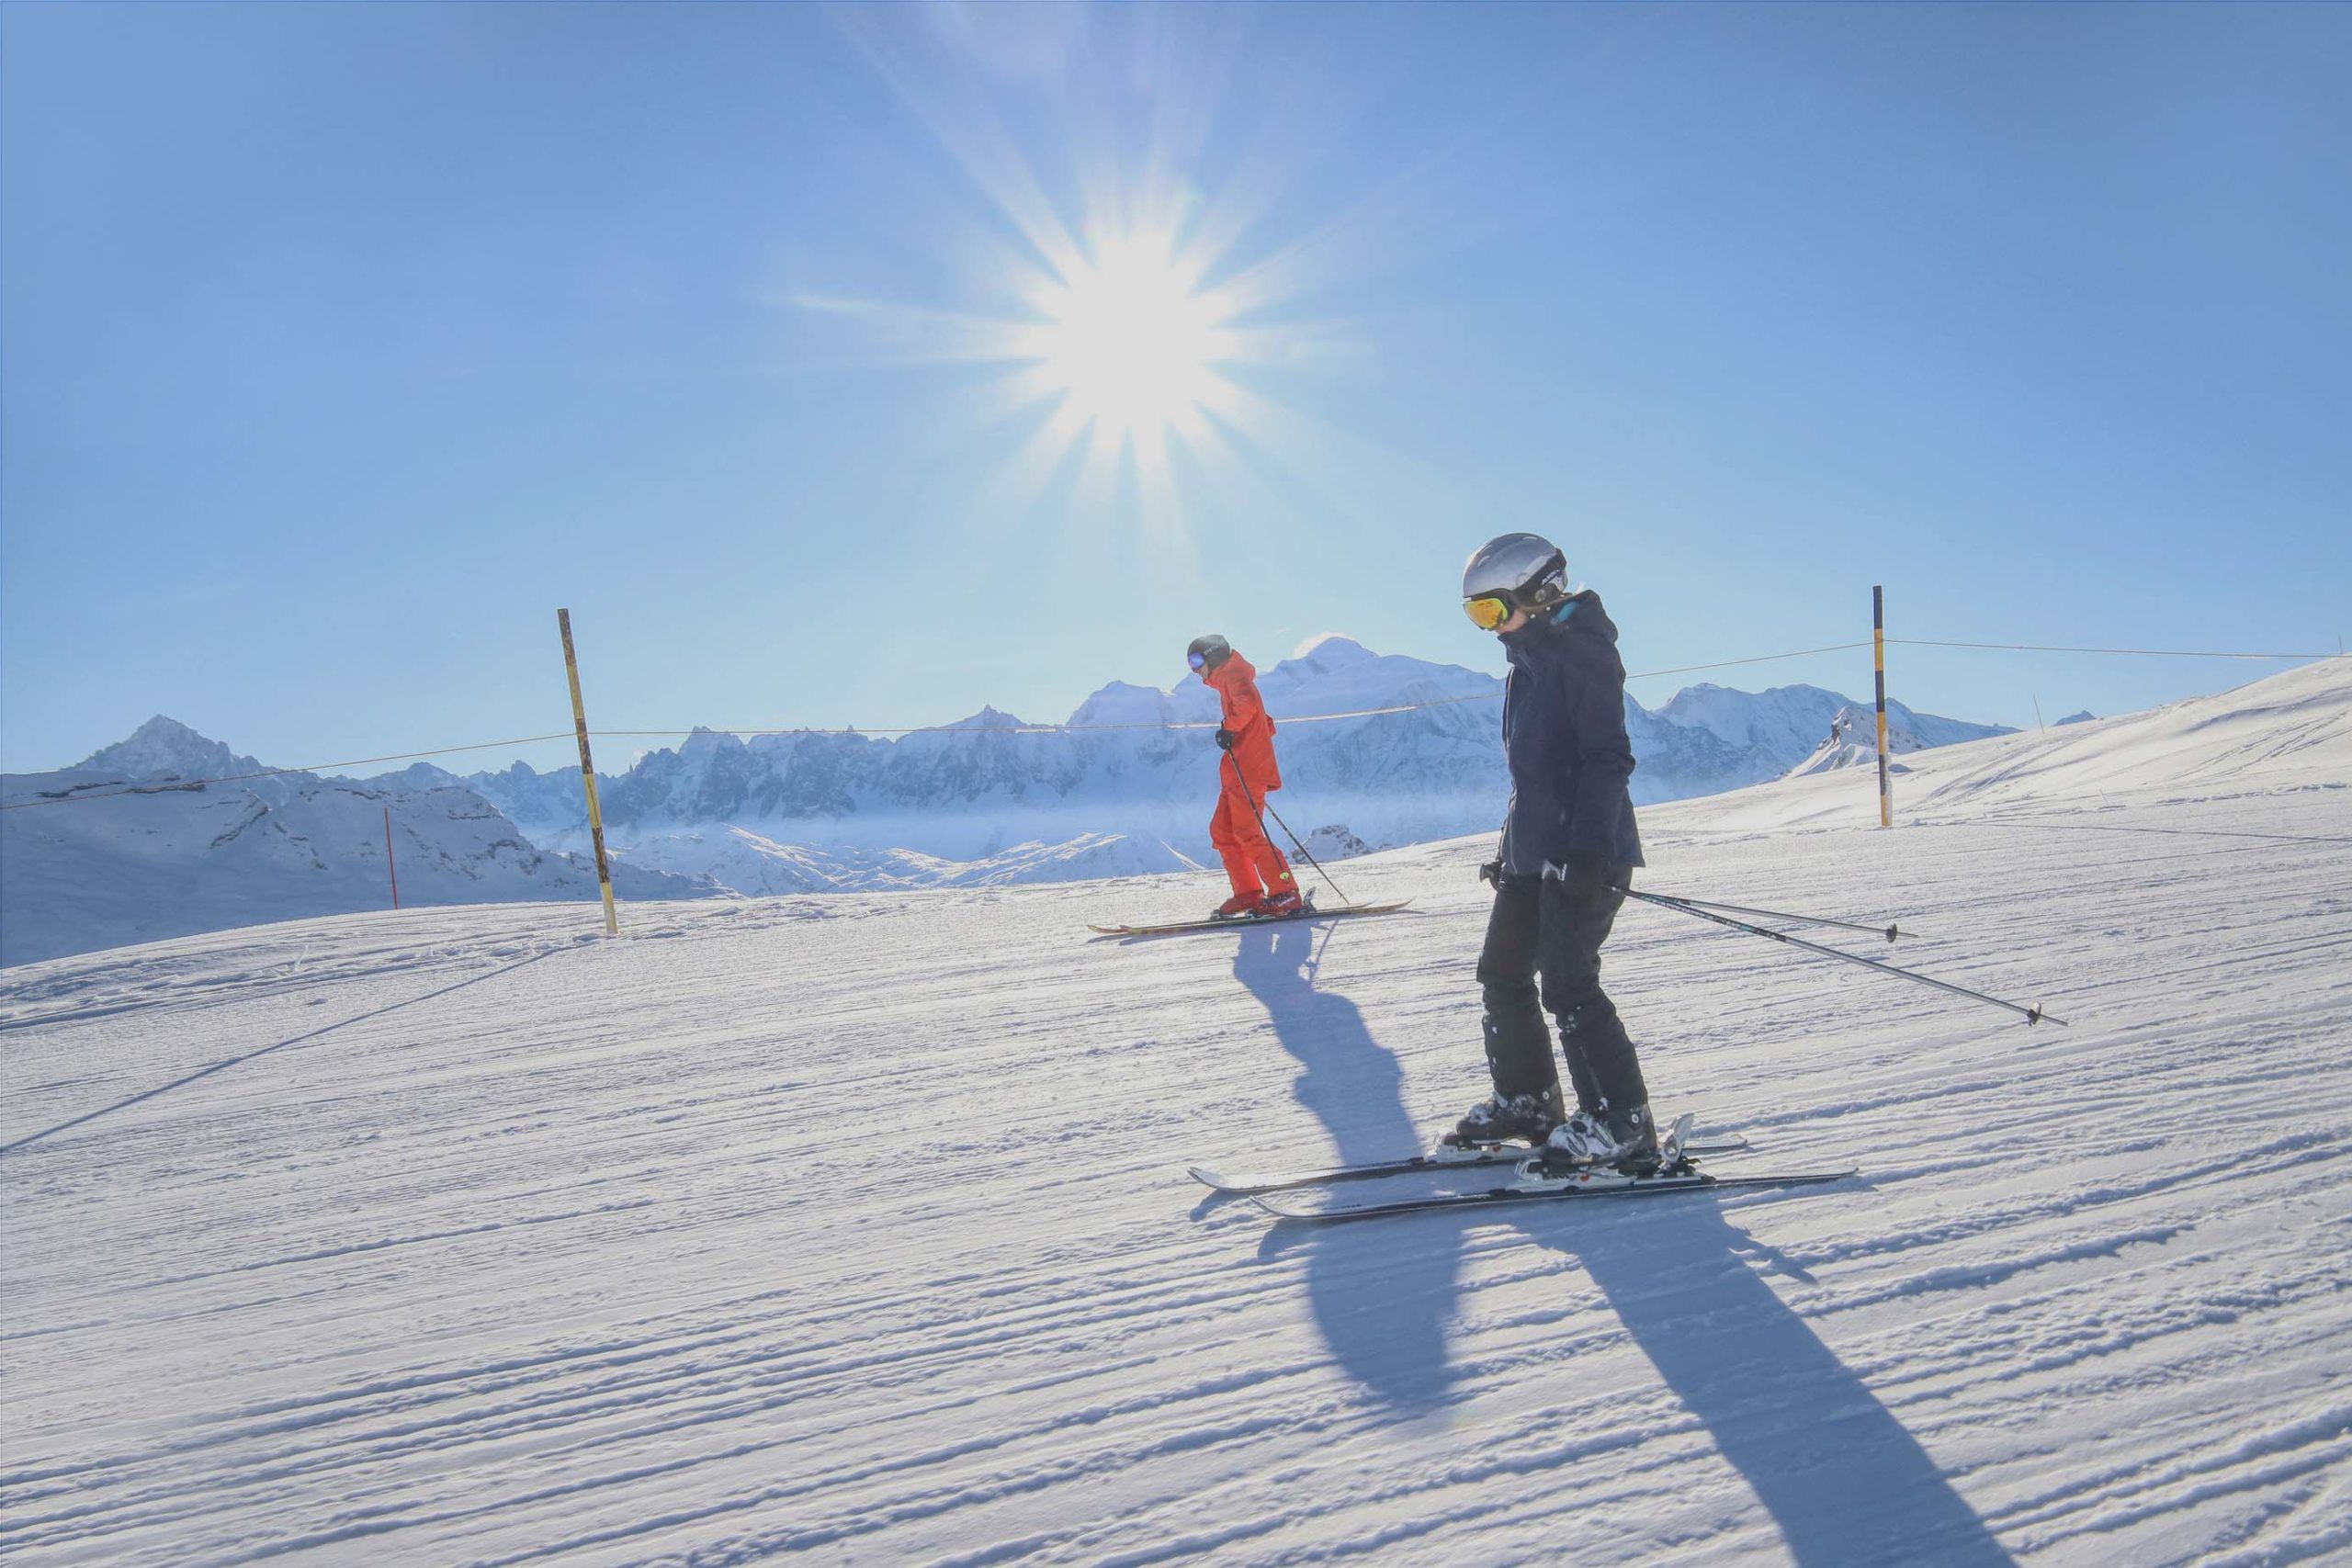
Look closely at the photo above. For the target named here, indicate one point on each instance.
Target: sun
(1127, 327)
(1129, 340)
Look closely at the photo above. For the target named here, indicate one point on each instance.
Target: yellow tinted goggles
(1487, 611)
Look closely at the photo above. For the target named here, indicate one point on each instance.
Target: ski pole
(1261, 812)
(2032, 1015)
(1888, 930)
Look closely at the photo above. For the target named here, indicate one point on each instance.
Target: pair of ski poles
(1720, 913)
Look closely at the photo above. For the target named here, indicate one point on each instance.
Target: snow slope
(852, 1228)
(2294, 726)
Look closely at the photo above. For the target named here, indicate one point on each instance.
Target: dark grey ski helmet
(1515, 571)
(1207, 652)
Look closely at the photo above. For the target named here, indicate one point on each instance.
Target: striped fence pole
(1878, 654)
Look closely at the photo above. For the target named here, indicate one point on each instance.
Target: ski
(1235, 922)
(1580, 1184)
(1458, 1159)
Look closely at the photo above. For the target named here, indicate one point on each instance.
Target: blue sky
(341, 344)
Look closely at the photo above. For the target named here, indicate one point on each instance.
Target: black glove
(1584, 874)
(1224, 738)
(1492, 872)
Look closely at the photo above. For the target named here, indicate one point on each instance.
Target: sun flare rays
(1135, 324)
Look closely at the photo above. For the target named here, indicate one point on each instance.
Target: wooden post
(1878, 655)
(588, 774)
(390, 870)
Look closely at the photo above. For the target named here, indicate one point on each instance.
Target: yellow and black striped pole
(588, 774)
(1878, 656)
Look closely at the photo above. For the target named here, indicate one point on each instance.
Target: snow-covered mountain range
(178, 857)
(990, 786)
(1117, 791)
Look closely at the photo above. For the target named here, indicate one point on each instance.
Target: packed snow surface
(855, 1227)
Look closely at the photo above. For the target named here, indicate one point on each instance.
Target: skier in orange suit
(1262, 884)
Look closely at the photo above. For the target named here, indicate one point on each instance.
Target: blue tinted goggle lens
(1196, 660)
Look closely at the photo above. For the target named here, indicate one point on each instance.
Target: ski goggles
(1488, 611)
(1197, 660)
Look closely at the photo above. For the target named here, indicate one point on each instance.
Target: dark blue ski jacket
(1564, 731)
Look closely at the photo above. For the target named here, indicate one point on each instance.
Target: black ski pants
(1541, 927)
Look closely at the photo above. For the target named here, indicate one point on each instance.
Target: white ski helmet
(1513, 571)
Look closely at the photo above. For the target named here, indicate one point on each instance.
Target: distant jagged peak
(987, 718)
(415, 776)
(1686, 705)
(163, 746)
(1337, 674)
(700, 741)
(1121, 702)
(1330, 649)
(1331, 673)
(1329, 654)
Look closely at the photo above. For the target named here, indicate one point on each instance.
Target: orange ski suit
(1251, 862)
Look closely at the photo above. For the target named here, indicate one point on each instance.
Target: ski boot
(1623, 1140)
(1275, 905)
(1237, 907)
(1501, 1118)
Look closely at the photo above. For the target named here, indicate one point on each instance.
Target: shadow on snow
(1842, 1479)
(1381, 1302)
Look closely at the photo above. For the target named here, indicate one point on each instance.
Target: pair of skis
(1527, 1182)
(1228, 922)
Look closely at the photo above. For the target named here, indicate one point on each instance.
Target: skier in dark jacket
(1568, 852)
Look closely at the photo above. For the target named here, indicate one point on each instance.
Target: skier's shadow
(1382, 1300)
(1842, 1479)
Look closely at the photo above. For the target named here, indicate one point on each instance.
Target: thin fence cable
(1759, 659)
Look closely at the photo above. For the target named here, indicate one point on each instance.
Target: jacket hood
(1581, 615)
(1235, 668)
